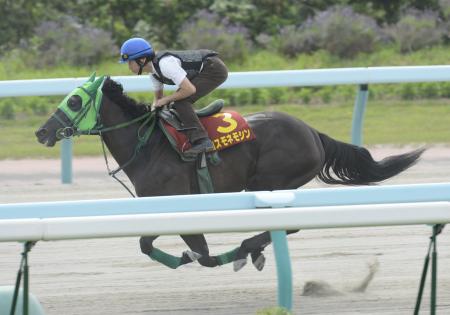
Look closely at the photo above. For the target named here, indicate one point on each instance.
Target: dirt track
(110, 276)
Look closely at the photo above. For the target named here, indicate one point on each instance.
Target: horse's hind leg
(254, 246)
(197, 243)
(146, 243)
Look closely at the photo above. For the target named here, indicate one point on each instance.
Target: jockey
(195, 73)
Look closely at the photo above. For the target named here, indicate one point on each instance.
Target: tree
(267, 16)
(20, 17)
(388, 11)
(17, 21)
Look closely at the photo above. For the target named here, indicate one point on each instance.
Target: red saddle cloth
(225, 129)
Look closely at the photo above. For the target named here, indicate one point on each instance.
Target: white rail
(252, 79)
(306, 209)
(243, 220)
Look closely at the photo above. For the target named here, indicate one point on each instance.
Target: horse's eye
(75, 102)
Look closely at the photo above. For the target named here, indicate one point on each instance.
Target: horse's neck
(121, 142)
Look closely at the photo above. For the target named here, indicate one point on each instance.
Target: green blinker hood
(83, 104)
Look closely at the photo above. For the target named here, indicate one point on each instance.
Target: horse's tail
(353, 165)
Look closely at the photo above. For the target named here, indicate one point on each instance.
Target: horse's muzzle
(44, 137)
(41, 133)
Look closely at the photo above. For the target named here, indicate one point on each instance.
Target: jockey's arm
(186, 89)
(159, 94)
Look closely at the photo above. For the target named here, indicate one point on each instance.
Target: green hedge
(11, 108)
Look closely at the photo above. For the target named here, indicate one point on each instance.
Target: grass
(394, 122)
(273, 311)
(388, 122)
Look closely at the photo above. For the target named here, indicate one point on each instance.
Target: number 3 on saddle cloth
(225, 129)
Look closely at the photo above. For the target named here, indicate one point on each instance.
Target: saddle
(225, 129)
(170, 115)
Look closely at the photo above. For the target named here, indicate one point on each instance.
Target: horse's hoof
(259, 262)
(239, 264)
(192, 255)
(146, 247)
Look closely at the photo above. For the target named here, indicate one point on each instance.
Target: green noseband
(83, 104)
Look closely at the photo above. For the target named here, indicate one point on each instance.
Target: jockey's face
(134, 67)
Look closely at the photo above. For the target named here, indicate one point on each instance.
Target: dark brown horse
(286, 154)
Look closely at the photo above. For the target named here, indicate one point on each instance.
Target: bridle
(148, 119)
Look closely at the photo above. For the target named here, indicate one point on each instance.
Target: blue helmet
(135, 48)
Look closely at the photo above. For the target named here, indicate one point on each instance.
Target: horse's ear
(97, 83)
(92, 77)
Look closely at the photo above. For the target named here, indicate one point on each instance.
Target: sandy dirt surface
(111, 276)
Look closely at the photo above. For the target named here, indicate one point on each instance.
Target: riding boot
(195, 132)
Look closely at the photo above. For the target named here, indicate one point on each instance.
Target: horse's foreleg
(227, 257)
(197, 243)
(254, 246)
(146, 243)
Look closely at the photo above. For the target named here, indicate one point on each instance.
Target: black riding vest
(191, 62)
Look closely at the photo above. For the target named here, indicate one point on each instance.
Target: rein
(142, 140)
(115, 127)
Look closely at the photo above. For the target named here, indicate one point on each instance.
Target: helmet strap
(142, 64)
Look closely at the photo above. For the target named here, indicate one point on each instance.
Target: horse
(286, 154)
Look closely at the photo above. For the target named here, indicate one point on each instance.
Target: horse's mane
(114, 91)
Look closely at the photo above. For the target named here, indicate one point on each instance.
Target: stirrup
(205, 146)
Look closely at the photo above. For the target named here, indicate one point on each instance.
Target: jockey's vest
(191, 62)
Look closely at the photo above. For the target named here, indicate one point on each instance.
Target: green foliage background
(120, 17)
